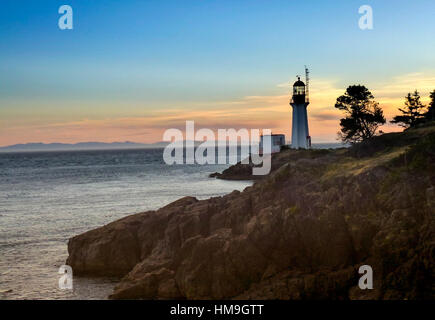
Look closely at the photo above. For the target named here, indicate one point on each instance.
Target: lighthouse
(300, 135)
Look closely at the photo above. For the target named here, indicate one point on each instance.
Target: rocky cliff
(300, 233)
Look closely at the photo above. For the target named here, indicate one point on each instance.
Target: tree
(413, 113)
(430, 114)
(363, 116)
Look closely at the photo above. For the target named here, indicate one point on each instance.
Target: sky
(129, 70)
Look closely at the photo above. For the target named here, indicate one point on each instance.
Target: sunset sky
(131, 69)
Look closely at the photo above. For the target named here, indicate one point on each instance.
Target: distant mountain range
(39, 146)
(29, 147)
(79, 146)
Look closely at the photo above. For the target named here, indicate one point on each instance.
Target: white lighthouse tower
(300, 135)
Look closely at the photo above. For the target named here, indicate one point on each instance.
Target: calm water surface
(48, 197)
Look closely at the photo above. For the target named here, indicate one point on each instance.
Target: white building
(300, 135)
(277, 141)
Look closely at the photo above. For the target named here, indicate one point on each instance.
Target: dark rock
(300, 233)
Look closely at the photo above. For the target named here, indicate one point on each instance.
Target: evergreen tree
(430, 114)
(413, 113)
(363, 116)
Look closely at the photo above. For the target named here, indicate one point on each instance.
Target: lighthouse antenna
(307, 80)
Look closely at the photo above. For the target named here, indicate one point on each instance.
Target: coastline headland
(301, 232)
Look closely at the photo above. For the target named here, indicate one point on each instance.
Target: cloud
(401, 85)
(325, 116)
(252, 111)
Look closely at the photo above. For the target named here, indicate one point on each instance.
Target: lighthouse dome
(299, 83)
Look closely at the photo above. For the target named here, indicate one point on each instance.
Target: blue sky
(134, 58)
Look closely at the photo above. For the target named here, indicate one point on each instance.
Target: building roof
(299, 83)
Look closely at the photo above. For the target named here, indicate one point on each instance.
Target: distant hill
(79, 146)
(35, 147)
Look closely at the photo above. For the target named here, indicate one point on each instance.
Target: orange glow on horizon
(261, 112)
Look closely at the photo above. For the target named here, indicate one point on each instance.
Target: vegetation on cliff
(300, 233)
(363, 115)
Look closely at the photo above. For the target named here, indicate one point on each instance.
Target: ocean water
(48, 197)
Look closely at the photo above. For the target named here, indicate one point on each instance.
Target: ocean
(48, 197)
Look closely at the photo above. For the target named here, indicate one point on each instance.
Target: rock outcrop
(242, 171)
(300, 233)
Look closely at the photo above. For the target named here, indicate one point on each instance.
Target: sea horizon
(96, 146)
